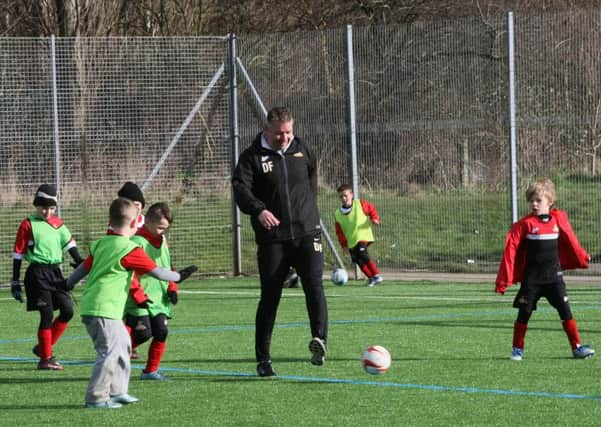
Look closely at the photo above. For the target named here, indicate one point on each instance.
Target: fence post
(352, 119)
(57, 150)
(235, 152)
(512, 133)
(352, 130)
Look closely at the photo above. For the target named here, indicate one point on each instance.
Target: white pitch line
(502, 299)
(425, 298)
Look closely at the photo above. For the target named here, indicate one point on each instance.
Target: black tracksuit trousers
(305, 254)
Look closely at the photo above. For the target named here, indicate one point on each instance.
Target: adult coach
(275, 182)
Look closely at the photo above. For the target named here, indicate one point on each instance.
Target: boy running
(40, 240)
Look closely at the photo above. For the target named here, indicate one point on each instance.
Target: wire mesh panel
(149, 110)
(431, 103)
(306, 72)
(431, 109)
(558, 94)
(26, 142)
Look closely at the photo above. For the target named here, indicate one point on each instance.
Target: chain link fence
(431, 102)
(149, 110)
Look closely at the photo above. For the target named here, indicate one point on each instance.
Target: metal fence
(421, 110)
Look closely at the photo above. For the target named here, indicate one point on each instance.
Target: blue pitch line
(226, 328)
(297, 378)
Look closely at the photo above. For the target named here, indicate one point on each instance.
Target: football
(375, 360)
(339, 276)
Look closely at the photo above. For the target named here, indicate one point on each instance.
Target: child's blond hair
(122, 212)
(542, 187)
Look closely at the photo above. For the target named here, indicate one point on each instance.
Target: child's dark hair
(159, 211)
(119, 210)
(345, 187)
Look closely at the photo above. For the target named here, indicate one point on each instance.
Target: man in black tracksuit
(275, 182)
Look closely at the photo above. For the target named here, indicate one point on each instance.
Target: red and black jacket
(513, 263)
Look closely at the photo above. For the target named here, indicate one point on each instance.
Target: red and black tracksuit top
(538, 250)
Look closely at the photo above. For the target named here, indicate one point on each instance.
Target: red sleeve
(370, 211)
(571, 253)
(24, 235)
(138, 261)
(513, 262)
(87, 263)
(341, 236)
(136, 292)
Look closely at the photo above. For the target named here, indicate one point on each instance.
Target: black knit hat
(45, 195)
(132, 192)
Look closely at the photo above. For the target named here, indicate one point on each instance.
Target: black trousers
(275, 259)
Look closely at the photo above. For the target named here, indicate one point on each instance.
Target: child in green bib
(151, 322)
(111, 265)
(41, 240)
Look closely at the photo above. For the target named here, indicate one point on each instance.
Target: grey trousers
(110, 375)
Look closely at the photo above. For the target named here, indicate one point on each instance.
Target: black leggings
(146, 327)
(359, 254)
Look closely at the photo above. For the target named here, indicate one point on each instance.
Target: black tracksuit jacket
(285, 185)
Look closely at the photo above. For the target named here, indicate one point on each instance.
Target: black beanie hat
(45, 195)
(132, 192)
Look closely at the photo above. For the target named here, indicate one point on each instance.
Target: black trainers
(318, 349)
(264, 369)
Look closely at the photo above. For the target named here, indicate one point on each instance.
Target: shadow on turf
(507, 325)
(42, 407)
(38, 380)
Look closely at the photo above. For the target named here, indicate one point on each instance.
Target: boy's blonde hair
(542, 187)
(122, 212)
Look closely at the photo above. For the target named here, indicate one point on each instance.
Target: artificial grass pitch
(450, 346)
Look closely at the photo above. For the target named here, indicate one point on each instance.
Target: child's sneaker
(371, 282)
(378, 279)
(516, 354)
(109, 404)
(156, 375)
(583, 352)
(124, 398)
(50, 364)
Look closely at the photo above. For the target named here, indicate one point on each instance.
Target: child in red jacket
(537, 248)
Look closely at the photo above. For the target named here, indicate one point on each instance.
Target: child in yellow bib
(354, 232)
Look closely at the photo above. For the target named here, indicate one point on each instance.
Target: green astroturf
(450, 346)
